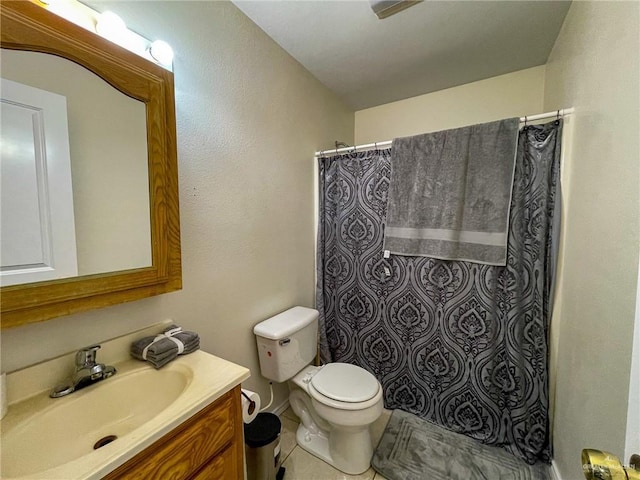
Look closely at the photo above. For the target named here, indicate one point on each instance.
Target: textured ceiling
(431, 46)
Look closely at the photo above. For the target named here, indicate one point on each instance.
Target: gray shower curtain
(461, 344)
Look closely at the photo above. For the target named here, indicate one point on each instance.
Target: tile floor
(301, 465)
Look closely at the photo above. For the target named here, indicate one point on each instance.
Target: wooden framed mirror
(27, 26)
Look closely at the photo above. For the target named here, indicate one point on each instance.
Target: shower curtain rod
(529, 118)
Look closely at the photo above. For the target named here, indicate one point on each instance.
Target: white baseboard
(555, 474)
(279, 409)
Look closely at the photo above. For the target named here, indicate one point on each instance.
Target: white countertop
(212, 377)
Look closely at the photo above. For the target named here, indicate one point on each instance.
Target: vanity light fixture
(67, 9)
(110, 26)
(161, 52)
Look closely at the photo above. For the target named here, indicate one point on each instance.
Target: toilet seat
(345, 386)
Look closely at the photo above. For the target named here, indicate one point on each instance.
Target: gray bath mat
(412, 448)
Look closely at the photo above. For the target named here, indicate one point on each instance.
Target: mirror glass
(109, 161)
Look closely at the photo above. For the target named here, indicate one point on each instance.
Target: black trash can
(262, 440)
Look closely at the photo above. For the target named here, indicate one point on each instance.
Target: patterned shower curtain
(461, 344)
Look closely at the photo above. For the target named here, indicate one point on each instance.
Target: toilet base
(317, 444)
(347, 448)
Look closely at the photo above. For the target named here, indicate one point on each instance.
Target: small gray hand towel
(163, 348)
(450, 193)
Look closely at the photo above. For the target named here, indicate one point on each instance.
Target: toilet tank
(287, 342)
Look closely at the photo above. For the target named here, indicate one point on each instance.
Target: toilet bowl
(336, 403)
(337, 429)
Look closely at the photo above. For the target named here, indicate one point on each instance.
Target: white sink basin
(71, 425)
(49, 438)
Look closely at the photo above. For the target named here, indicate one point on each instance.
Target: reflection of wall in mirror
(108, 145)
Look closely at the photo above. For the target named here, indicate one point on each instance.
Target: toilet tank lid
(286, 323)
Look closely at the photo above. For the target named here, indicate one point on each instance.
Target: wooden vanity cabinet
(208, 446)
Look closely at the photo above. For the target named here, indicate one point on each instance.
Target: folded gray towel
(172, 350)
(163, 348)
(162, 360)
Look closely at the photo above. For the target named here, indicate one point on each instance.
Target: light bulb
(161, 52)
(110, 25)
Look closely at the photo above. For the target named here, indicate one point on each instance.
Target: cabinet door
(181, 453)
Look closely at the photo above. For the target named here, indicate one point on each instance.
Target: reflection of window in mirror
(108, 145)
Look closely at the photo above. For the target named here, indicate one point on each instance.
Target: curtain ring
(558, 115)
(375, 145)
(525, 121)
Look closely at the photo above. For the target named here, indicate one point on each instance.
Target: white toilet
(336, 403)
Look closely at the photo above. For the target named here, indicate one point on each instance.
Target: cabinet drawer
(180, 453)
(222, 467)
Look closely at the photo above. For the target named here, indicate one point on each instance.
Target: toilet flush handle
(284, 341)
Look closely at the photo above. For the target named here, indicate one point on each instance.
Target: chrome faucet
(87, 372)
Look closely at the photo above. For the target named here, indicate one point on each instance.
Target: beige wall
(511, 95)
(249, 119)
(594, 67)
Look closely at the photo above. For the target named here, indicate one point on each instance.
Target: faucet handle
(86, 356)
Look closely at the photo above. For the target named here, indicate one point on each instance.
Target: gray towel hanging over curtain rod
(387, 144)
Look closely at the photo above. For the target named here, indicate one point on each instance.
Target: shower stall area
(463, 343)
